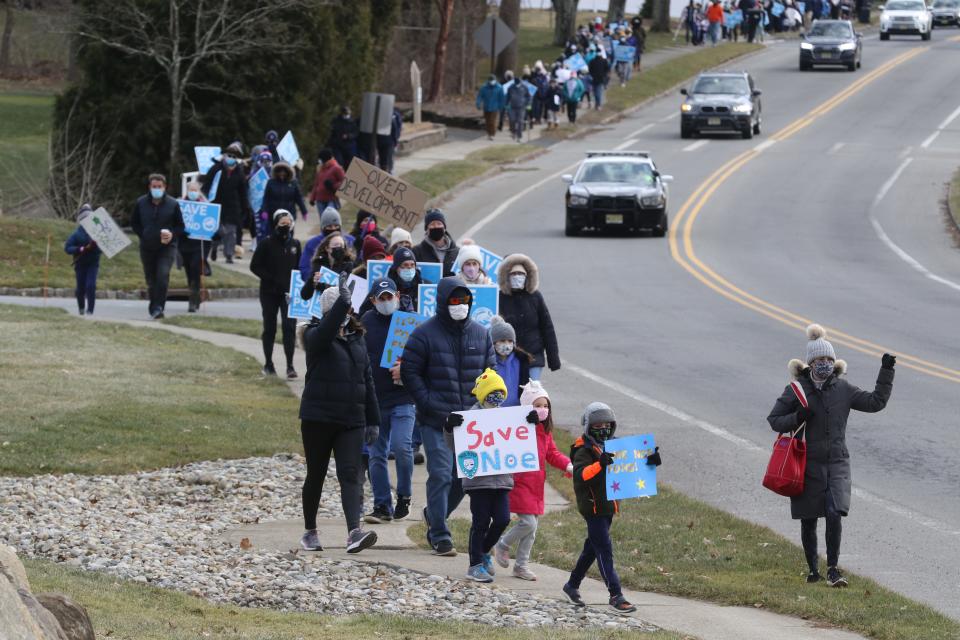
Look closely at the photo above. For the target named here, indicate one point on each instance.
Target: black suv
(727, 101)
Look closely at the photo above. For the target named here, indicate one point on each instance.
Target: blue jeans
(597, 548)
(86, 285)
(444, 490)
(598, 94)
(715, 28)
(536, 372)
(396, 428)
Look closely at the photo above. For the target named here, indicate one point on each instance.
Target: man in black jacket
(599, 69)
(231, 195)
(438, 245)
(276, 256)
(440, 365)
(344, 131)
(158, 222)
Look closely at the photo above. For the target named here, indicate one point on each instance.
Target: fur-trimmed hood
(798, 368)
(280, 164)
(503, 273)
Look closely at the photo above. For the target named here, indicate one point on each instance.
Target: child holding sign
(489, 495)
(526, 499)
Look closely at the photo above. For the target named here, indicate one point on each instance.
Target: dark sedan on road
(721, 102)
(946, 13)
(831, 42)
(617, 191)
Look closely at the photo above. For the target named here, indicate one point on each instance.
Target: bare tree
(661, 16)
(440, 51)
(616, 10)
(7, 37)
(195, 32)
(566, 20)
(508, 58)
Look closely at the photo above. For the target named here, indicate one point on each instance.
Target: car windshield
(905, 6)
(831, 30)
(626, 172)
(721, 84)
(946, 4)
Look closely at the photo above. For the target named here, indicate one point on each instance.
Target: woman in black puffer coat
(523, 307)
(338, 413)
(827, 485)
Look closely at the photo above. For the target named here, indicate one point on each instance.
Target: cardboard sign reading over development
(104, 231)
(200, 219)
(401, 326)
(630, 476)
(393, 200)
(491, 442)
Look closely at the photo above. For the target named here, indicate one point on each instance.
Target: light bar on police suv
(600, 154)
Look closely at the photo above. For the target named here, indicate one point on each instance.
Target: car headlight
(806, 46)
(742, 108)
(848, 46)
(577, 200)
(686, 106)
(652, 201)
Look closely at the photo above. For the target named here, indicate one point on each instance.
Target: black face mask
(436, 234)
(283, 232)
(338, 253)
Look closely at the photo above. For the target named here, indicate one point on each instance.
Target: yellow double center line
(681, 232)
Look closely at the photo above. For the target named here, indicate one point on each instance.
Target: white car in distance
(907, 17)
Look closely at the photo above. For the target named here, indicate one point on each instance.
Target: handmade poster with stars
(630, 476)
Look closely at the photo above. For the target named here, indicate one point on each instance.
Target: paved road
(799, 226)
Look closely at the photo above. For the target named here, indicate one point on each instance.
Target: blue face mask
(193, 195)
(156, 194)
(407, 274)
(229, 161)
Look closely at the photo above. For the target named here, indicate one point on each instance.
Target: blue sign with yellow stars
(630, 476)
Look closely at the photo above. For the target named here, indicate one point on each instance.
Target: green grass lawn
(24, 251)
(96, 397)
(25, 122)
(447, 175)
(125, 610)
(676, 545)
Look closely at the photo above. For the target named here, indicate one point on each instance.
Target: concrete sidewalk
(691, 617)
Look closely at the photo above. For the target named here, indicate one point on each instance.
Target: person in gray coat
(489, 494)
(827, 484)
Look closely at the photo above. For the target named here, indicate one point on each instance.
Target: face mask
(601, 434)
(387, 307)
(337, 253)
(193, 195)
(518, 281)
(542, 413)
(504, 348)
(471, 271)
(822, 369)
(407, 274)
(494, 399)
(283, 232)
(436, 234)
(459, 311)
(229, 161)
(156, 194)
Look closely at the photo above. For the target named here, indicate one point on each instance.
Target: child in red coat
(526, 498)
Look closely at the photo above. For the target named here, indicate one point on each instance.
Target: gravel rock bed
(161, 528)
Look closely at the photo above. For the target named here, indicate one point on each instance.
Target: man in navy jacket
(158, 222)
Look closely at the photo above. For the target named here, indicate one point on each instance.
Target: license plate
(614, 218)
(713, 122)
(826, 55)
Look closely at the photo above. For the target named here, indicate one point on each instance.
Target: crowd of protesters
(730, 20)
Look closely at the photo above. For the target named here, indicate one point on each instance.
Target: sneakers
(418, 457)
(379, 515)
(814, 577)
(478, 574)
(291, 373)
(445, 548)
(834, 579)
(488, 564)
(358, 540)
(620, 604)
(524, 574)
(402, 510)
(268, 370)
(573, 595)
(310, 541)
(502, 555)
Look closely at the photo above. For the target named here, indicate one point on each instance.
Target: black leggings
(319, 440)
(271, 304)
(808, 535)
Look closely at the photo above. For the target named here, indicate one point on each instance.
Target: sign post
(493, 36)
(417, 92)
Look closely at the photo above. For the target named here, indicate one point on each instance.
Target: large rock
(15, 619)
(12, 568)
(72, 617)
(48, 623)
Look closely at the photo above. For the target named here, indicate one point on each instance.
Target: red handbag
(788, 462)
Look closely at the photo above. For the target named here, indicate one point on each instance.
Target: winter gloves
(654, 458)
(606, 459)
(370, 434)
(345, 293)
(888, 361)
(453, 420)
(533, 418)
